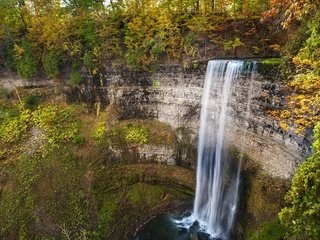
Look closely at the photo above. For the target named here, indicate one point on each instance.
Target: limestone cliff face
(173, 95)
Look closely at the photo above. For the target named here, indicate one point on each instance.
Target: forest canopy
(95, 34)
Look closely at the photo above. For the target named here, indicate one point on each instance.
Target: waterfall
(218, 175)
(228, 90)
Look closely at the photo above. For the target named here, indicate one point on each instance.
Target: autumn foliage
(101, 34)
(303, 53)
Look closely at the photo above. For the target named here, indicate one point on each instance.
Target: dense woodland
(139, 34)
(54, 38)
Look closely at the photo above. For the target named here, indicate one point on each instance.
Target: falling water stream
(214, 204)
(218, 174)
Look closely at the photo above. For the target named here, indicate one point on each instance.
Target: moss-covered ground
(263, 201)
(57, 180)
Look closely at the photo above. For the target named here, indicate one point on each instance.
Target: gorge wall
(173, 95)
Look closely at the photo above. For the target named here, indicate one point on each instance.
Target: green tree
(50, 63)
(302, 214)
(109, 51)
(26, 64)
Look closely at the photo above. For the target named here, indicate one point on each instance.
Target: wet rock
(194, 236)
(204, 236)
(182, 231)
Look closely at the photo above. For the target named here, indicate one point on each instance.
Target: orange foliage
(275, 7)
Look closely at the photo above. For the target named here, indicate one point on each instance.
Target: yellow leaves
(75, 48)
(302, 62)
(284, 125)
(274, 113)
(140, 32)
(305, 111)
(275, 47)
(18, 51)
(50, 29)
(149, 34)
(285, 114)
(303, 106)
(306, 84)
(298, 100)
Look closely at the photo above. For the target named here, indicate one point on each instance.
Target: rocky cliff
(173, 95)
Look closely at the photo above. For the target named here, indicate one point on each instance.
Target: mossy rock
(265, 198)
(139, 191)
(270, 68)
(271, 230)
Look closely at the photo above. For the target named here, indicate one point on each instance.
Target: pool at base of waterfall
(171, 227)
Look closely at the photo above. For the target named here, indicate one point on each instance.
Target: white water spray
(218, 176)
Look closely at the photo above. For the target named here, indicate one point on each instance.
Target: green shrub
(309, 54)
(57, 124)
(144, 195)
(31, 101)
(26, 64)
(128, 134)
(88, 60)
(302, 214)
(136, 134)
(54, 125)
(100, 131)
(50, 62)
(9, 55)
(141, 132)
(75, 79)
(78, 139)
(136, 58)
(108, 210)
(155, 84)
(237, 154)
(16, 212)
(232, 44)
(270, 231)
(272, 61)
(158, 47)
(12, 128)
